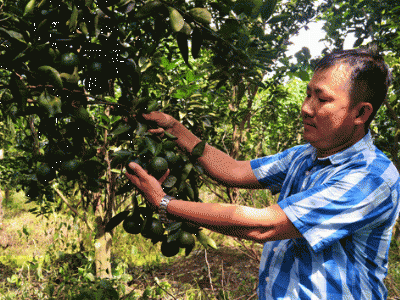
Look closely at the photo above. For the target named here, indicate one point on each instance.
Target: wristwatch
(162, 210)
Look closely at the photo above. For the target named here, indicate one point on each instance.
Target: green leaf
(116, 220)
(50, 103)
(205, 240)
(173, 226)
(30, 6)
(127, 187)
(51, 75)
(267, 9)
(244, 6)
(201, 15)
(189, 191)
(174, 235)
(90, 277)
(19, 91)
(83, 27)
(186, 29)
(141, 129)
(186, 170)
(148, 9)
(176, 19)
(256, 9)
(198, 149)
(73, 21)
(303, 75)
(170, 181)
(14, 34)
(151, 145)
(197, 41)
(182, 40)
(358, 42)
(121, 128)
(279, 18)
(195, 189)
(153, 105)
(120, 157)
(170, 136)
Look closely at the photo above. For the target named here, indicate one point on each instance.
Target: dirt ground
(214, 272)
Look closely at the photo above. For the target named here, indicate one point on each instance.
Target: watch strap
(162, 210)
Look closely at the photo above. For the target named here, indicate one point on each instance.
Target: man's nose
(307, 108)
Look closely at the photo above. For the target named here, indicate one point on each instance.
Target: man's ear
(364, 111)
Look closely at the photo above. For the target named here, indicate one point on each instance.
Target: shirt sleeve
(348, 202)
(271, 170)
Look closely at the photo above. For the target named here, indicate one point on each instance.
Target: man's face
(327, 114)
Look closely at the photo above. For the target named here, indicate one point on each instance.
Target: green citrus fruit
(96, 66)
(169, 145)
(45, 173)
(186, 239)
(157, 167)
(169, 249)
(133, 224)
(171, 157)
(69, 60)
(155, 229)
(82, 114)
(32, 191)
(70, 166)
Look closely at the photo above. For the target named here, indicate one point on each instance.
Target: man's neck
(354, 138)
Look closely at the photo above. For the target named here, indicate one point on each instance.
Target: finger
(150, 116)
(162, 179)
(137, 169)
(134, 179)
(156, 131)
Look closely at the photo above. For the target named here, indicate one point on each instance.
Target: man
(329, 234)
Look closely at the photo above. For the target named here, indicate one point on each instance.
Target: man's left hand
(149, 186)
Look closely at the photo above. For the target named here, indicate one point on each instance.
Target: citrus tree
(76, 76)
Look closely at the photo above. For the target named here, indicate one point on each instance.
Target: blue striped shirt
(345, 206)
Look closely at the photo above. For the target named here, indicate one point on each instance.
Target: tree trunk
(103, 243)
(1, 209)
(6, 196)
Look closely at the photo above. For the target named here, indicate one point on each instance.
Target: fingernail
(131, 165)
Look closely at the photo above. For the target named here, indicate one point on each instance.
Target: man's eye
(322, 100)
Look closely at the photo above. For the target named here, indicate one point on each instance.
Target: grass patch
(392, 280)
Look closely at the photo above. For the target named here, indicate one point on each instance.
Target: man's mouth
(309, 124)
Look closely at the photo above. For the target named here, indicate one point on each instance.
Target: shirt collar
(366, 143)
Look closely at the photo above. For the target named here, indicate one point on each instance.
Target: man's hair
(370, 75)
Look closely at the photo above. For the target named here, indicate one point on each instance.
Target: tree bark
(1, 209)
(103, 244)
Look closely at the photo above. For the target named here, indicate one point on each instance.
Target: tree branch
(73, 209)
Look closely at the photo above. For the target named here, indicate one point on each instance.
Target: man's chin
(309, 137)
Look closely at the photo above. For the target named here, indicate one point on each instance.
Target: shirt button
(307, 173)
(267, 279)
(275, 249)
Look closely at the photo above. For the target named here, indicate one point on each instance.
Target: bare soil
(226, 270)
